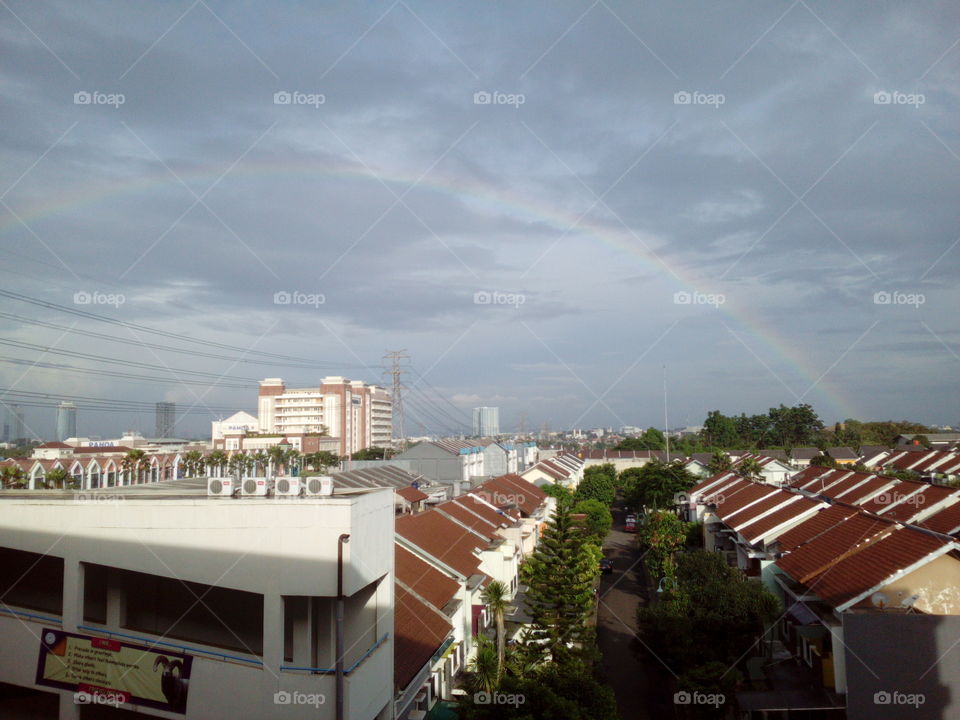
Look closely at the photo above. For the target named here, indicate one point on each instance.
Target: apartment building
(166, 602)
(360, 415)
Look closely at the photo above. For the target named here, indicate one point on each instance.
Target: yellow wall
(937, 583)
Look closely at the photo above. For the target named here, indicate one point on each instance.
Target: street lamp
(663, 581)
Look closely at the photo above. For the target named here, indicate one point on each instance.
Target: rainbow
(484, 197)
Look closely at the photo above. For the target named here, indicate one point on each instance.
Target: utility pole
(666, 423)
(396, 372)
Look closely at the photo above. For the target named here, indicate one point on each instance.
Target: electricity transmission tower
(395, 371)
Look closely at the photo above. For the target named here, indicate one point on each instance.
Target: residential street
(638, 686)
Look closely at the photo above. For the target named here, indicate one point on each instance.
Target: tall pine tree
(560, 576)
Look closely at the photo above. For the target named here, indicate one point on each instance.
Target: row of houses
(868, 569)
(445, 557)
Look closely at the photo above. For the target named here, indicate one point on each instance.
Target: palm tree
(192, 461)
(291, 459)
(13, 476)
(133, 462)
(719, 462)
(217, 459)
(497, 598)
(485, 667)
(276, 454)
(56, 477)
(260, 460)
(750, 468)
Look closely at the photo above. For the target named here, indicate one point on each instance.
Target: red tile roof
(945, 521)
(814, 526)
(475, 505)
(866, 490)
(843, 539)
(854, 575)
(511, 490)
(465, 517)
(412, 494)
(418, 633)
(51, 445)
(443, 540)
(808, 473)
(736, 499)
(918, 502)
(423, 578)
(793, 511)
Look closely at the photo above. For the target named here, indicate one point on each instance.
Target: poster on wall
(105, 671)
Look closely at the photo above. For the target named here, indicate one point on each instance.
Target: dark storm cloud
(657, 149)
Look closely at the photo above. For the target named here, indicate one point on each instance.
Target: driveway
(638, 685)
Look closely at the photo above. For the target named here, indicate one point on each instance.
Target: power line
(154, 331)
(117, 374)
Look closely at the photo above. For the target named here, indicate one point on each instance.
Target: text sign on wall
(102, 668)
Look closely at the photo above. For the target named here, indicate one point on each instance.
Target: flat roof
(185, 488)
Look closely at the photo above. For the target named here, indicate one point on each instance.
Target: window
(31, 581)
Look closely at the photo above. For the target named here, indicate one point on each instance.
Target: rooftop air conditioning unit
(288, 486)
(321, 485)
(256, 487)
(221, 487)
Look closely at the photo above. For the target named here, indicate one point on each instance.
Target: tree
(496, 596)
(750, 468)
(56, 478)
(554, 490)
(133, 463)
(598, 518)
(192, 462)
(260, 460)
(596, 486)
(372, 453)
(823, 460)
(663, 534)
(559, 577)
(217, 459)
(321, 460)
(720, 430)
(13, 476)
(711, 600)
(276, 454)
(484, 668)
(657, 484)
(719, 462)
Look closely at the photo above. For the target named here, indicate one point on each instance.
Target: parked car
(606, 566)
(630, 526)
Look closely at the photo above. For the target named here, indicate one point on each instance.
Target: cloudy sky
(545, 204)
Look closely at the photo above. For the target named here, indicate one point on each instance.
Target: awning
(802, 614)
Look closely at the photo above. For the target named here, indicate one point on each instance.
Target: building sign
(108, 671)
(101, 443)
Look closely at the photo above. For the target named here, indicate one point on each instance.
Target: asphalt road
(638, 685)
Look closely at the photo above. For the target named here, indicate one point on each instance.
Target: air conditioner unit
(221, 487)
(256, 487)
(319, 485)
(288, 486)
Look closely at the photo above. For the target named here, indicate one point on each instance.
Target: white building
(239, 423)
(486, 421)
(236, 594)
(360, 415)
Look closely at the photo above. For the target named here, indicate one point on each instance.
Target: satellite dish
(910, 601)
(879, 600)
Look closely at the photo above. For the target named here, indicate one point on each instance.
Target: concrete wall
(895, 660)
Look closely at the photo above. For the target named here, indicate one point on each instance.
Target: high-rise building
(166, 418)
(66, 420)
(19, 426)
(486, 421)
(360, 415)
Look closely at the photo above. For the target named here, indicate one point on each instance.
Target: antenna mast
(396, 372)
